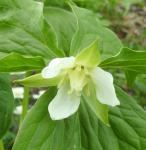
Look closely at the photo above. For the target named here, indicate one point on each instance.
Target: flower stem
(1, 145)
(25, 103)
(25, 100)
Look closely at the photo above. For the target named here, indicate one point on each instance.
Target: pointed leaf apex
(38, 81)
(89, 56)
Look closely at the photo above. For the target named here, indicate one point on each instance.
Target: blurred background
(127, 18)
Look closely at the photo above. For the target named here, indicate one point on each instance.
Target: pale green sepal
(38, 81)
(90, 56)
(100, 110)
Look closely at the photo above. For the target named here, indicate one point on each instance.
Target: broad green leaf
(3, 54)
(38, 81)
(83, 130)
(140, 84)
(43, 133)
(16, 62)
(24, 30)
(90, 56)
(127, 59)
(88, 30)
(6, 103)
(60, 3)
(89, 4)
(64, 24)
(130, 77)
(18, 3)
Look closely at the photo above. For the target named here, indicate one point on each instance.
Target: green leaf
(64, 24)
(88, 29)
(127, 59)
(140, 85)
(59, 3)
(84, 130)
(45, 133)
(24, 30)
(43, 118)
(6, 103)
(90, 56)
(130, 77)
(3, 54)
(16, 62)
(38, 81)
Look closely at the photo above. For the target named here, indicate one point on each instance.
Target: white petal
(36, 96)
(18, 92)
(105, 91)
(41, 92)
(57, 65)
(64, 104)
(18, 110)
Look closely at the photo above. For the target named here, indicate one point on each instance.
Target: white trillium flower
(75, 74)
(18, 110)
(37, 96)
(17, 73)
(18, 92)
(41, 92)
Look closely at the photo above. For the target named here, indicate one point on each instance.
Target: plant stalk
(1, 145)
(25, 100)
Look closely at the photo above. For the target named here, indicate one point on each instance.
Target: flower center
(77, 78)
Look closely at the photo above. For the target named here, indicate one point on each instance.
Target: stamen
(86, 71)
(78, 68)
